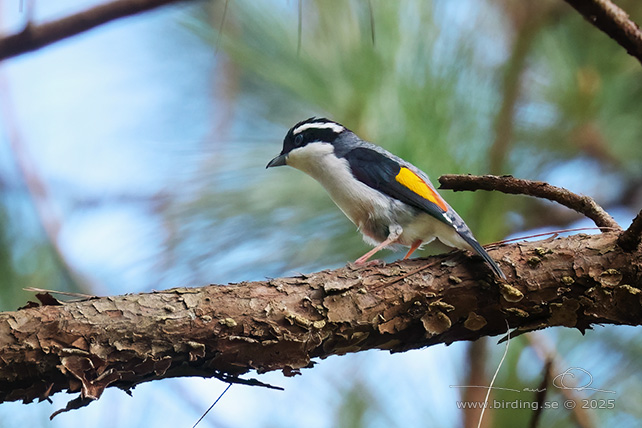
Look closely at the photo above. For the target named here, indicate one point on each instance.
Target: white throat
(317, 160)
(359, 202)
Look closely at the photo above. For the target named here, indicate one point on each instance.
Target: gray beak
(280, 160)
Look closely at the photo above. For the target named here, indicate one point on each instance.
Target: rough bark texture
(281, 324)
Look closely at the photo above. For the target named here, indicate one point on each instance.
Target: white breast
(358, 201)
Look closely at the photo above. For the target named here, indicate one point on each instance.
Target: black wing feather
(379, 171)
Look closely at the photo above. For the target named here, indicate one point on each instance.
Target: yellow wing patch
(413, 182)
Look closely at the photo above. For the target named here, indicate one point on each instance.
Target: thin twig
(220, 28)
(37, 36)
(517, 186)
(419, 269)
(299, 27)
(63, 293)
(614, 21)
(212, 406)
(228, 378)
(372, 22)
(492, 381)
(553, 234)
(630, 239)
(541, 393)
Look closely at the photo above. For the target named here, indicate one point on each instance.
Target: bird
(391, 201)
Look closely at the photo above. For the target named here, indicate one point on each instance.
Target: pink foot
(376, 262)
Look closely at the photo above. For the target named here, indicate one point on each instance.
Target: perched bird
(391, 201)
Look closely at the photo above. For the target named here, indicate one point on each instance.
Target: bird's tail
(480, 250)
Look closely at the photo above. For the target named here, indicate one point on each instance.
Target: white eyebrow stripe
(319, 125)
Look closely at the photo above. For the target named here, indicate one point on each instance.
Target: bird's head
(308, 138)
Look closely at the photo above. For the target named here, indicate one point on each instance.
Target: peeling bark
(282, 324)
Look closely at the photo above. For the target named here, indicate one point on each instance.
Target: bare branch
(37, 36)
(630, 239)
(517, 186)
(540, 395)
(614, 21)
(282, 324)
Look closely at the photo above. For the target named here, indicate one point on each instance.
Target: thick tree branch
(36, 36)
(517, 186)
(281, 324)
(612, 20)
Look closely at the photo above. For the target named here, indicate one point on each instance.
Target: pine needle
(212, 406)
(492, 382)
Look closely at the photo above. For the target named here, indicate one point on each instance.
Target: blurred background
(132, 158)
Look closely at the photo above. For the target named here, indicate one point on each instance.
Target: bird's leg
(415, 245)
(391, 239)
(361, 260)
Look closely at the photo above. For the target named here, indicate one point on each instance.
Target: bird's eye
(298, 140)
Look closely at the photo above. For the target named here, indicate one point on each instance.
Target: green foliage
(356, 402)
(591, 89)
(427, 90)
(403, 91)
(412, 91)
(27, 259)
(8, 291)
